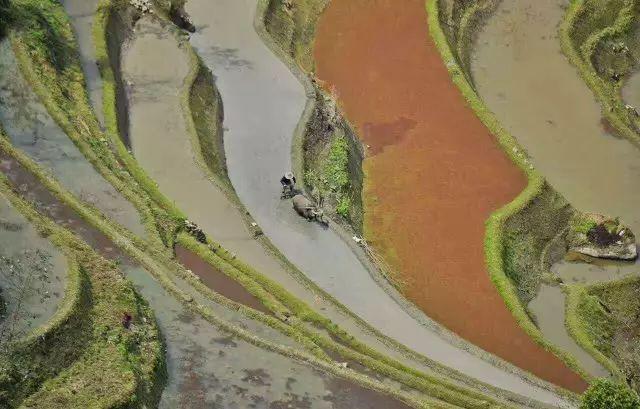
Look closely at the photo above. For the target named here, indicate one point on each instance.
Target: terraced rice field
(148, 258)
(434, 173)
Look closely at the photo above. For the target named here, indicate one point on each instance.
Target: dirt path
(262, 104)
(434, 173)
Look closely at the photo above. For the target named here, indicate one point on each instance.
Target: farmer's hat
(289, 175)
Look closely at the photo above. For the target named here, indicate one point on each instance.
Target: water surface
(539, 97)
(33, 275)
(32, 130)
(81, 14)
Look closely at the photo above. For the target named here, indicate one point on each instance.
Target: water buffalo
(305, 208)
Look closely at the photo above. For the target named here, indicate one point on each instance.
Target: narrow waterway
(263, 102)
(549, 309)
(81, 14)
(32, 130)
(33, 275)
(206, 366)
(539, 97)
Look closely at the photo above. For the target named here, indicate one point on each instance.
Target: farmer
(288, 182)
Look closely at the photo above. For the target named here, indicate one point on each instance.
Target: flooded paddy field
(539, 97)
(434, 173)
(241, 375)
(520, 72)
(255, 89)
(33, 275)
(32, 130)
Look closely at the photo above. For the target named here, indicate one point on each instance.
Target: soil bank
(433, 173)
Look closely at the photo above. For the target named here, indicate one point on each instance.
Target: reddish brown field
(434, 173)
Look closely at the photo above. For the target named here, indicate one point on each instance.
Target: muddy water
(31, 129)
(81, 14)
(33, 275)
(217, 280)
(540, 98)
(522, 75)
(549, 305)
(425, 141)
(631, 90)
(206, 366)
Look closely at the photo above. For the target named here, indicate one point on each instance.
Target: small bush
(604, 394)
(344, 205)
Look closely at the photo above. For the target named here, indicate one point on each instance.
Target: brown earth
(433, 173)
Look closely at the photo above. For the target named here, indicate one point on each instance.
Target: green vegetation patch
(292, 25)
(604, 394)
(329, 160)
(207, 113)
(527, 233)
(608, 317)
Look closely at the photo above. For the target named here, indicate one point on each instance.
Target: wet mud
(206, 366)
(431, 183)
(32, 130)
(217, 280)
(539, 97)
(33, 275)
(81, 14)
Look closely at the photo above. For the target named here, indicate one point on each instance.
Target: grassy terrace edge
(432, 386)
(149, 253)
(150, 186)
(495, 242)
(612, 107)
(578, 329)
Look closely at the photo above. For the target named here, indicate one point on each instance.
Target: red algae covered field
(434, 173)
